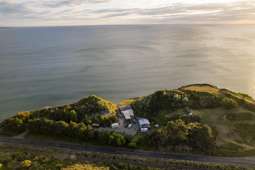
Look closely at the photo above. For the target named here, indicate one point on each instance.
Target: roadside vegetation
(15, 158)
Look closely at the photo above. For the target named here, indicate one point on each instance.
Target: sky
(115, 12)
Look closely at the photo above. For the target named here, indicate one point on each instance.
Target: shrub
(87, 109)
(14, 124)
(84, 167)
(163, 100)
(201, 138)
(200, 100)
(26, 163)
(116, 139)
(178, 134)
(229, 103)
(173, 134)
(138, 140)
(186, 118)
(24, 115)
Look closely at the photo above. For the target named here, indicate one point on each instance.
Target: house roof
(115, 125)
(144, 129)
(127, 111)
(126, 108)
(143, 121)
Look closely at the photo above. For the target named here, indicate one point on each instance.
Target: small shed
(95, 125)
(144, 124)
(156, 125)
(115, 125)
(144, 129)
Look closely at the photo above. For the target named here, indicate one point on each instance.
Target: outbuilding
(95, 125)
(144, 124)
(115, 125)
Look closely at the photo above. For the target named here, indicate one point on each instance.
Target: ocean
(47, 66)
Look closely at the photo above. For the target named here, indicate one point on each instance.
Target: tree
(24, 115)
(14, 124)
(116, 139)
(201, 137)
(26, 163)
(229, 103)
(61, 128)
(138, 140)
(176, 132)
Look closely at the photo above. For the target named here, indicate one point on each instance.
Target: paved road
(244, 161)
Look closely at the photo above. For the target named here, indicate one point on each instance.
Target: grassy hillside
(230, 114)
(199, 96)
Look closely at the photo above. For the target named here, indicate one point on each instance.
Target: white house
(127, 112)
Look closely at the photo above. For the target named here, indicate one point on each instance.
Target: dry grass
(126, 102)
(84, 167)
(202, 88)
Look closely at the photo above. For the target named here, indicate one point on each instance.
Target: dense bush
(178, 133)
(14, 124)
(186, 118)
(201, 138)
(229, 103)
(139, 141)
(74, 130)
(116, 139)
(59, 128)
(26, 164)
(198, 100)
(165, 100)
(87, 110)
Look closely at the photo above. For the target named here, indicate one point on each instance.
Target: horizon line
(136, 24)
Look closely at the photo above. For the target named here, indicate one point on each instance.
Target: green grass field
(235, 128)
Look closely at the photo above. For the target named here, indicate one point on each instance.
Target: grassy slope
(232, 138)
(235, 126)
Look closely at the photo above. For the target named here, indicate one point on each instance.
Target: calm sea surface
(52, 66)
